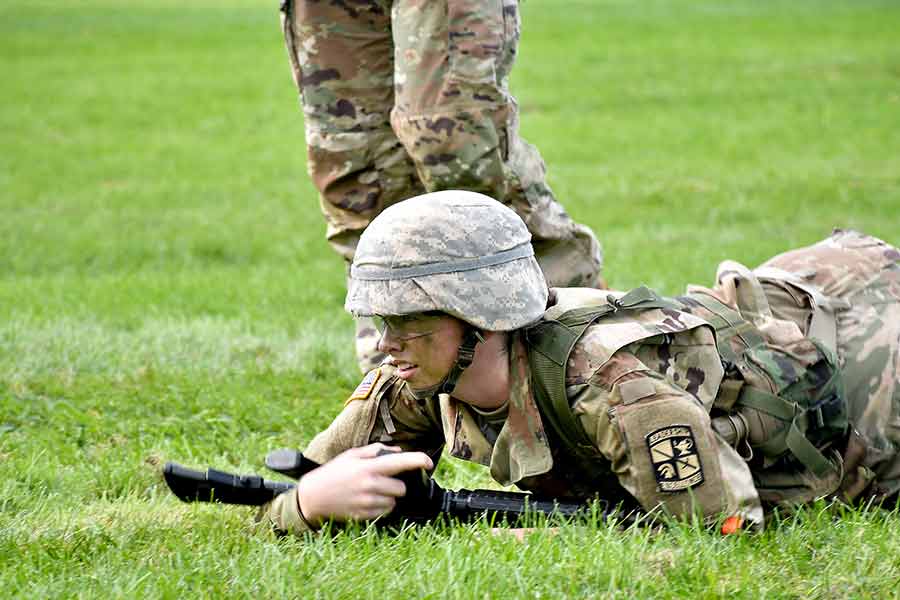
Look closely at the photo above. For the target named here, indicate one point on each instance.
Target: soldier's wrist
(312, 523)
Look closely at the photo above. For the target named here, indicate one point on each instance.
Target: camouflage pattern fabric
(861, 275)
(642, 384)
(415, 258)
(849, 284)
(410, 96)
(366, 339)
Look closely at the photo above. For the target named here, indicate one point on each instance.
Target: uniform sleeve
(387, 413)
(381, 409)
(283, 514)
(660, 443)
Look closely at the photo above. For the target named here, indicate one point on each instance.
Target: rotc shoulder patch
(365, 386)
(673, 454)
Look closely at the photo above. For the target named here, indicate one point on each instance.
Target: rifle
(424, 501)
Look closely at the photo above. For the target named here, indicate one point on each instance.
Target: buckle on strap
(465, 356)
(614, 302)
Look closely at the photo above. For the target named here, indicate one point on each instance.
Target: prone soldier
(775, 387)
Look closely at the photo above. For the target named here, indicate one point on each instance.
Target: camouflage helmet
(457, 252)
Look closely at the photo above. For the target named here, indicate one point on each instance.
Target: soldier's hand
(357, 484)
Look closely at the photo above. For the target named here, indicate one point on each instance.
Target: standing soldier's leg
(342, 60)
(458, 121)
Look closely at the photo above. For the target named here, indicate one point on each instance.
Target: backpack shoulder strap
(727, 322)
(551, 343)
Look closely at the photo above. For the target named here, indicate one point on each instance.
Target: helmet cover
(458, 252)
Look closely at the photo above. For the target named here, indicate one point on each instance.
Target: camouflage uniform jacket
(608, 378)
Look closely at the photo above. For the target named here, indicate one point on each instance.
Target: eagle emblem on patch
(673, 454)
(365, 386)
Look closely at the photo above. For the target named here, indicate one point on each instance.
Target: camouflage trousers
(407, 96)
(857, 278)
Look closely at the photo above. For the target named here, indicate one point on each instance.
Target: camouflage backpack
(787, 404)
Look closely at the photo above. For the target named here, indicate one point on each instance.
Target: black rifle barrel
(424, 501)
(468, 504)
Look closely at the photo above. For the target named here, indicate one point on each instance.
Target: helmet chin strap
(464, 357)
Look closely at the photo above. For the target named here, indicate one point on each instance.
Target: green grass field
(166, 292)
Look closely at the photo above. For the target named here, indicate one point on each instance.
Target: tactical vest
(786, 404)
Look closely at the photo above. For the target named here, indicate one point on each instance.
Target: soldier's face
(422, 346)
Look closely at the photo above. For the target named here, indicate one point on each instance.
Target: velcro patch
(636, 389)
(364, 389)
(673, 454)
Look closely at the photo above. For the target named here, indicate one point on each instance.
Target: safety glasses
(409, 327)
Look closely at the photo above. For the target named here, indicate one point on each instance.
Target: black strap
(465, 356)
